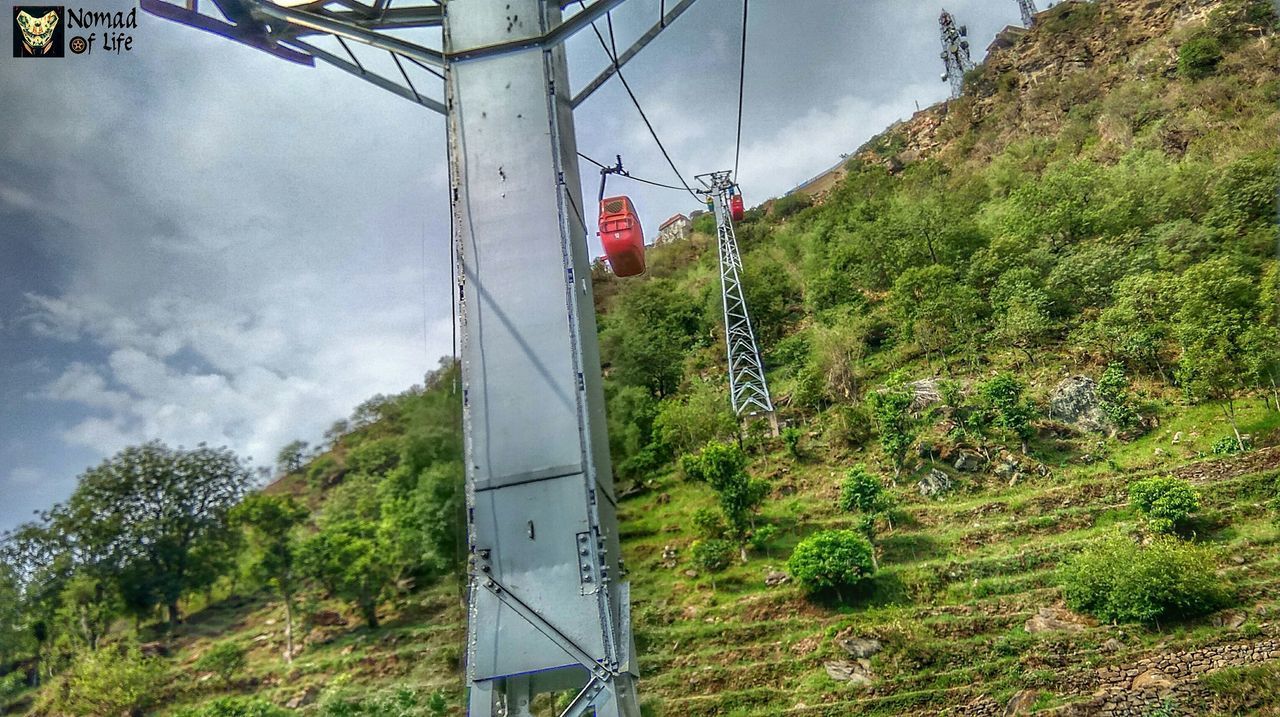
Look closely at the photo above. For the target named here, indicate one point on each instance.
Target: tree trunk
(370, 610)
(288, 629)
(1231, 418)
(174, 615)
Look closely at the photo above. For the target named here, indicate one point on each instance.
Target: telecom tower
(547, 612)
(1028, 8)
(748, 390)
(955, 52)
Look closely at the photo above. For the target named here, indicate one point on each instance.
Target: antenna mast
(955, 52)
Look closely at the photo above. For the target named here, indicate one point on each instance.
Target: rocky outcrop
(1075, 401)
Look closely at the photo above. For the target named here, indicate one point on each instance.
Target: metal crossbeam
(631, 52)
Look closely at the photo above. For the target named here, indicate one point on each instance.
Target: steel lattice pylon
(748, 389)
(1029, 10)
(955, 52)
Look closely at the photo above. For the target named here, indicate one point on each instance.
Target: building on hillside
(676, 228)
(1007, 38)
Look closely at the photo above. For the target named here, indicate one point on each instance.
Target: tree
(646, 341)
(1199, 57)
(1219, 305)
(14, 640)
(864, 493)
(1166, 502)
(1004, 407)
(1114, 399)
(1119, 580)
(159, 517)
(891, 410)
(831, 559)
(270, 522)
(292, 457)
(1137, 327)
(1022, 310)
(936, 309)
(723, 467)
(346, 558)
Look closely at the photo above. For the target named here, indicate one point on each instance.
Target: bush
(711, 555)
(723, 467)
(1166, 503)
(1228, 445)
(1120, 581)
(1199, 57)
(375, 457)
(234, 707)
(11, 685)
(109, 682)
(790, 204)
(862, 492)
(1113, 397)
(791, 439)
(831, 559)
(224, 659)
(403, 702)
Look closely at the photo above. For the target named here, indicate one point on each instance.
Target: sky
(202, 243)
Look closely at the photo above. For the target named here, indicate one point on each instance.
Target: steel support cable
(632, 178)
(617, 67)
(742, 84)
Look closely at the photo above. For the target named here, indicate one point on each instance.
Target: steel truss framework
(1028, 8)
(955, 52)
(748, 389)
(547, 611)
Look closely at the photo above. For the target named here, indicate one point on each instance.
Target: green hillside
(1025, 353)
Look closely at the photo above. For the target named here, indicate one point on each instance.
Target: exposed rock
(691, 574)
(154, 649)
(1050, 619)
(775, 578)
(1021, 703)
(328, 618)
(858, 647)
(1230, 619)
(1177, 438)
(1152, 680)
(664, 498)
(853, 672)
(302, 699)
(1112, 645)
(1075, 400)
(968, 462)
(934, 485)
(924, 393)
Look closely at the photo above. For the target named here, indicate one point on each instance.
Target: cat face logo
(39, 31)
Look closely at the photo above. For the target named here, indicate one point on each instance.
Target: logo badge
(38, 31)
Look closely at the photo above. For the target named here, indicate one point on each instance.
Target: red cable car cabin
(736, 209)
(622, 236)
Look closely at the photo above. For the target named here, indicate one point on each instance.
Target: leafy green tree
(711, 555)
(723, 467)
(14, 639)
(292, 457)
(270, 522)
(936, 309)
(87, 605)
(1167, 503)
(109, 682)
(699, 415)
(895, 426)
(1005, 409)
(375, 457)
(646, 340)
(1022, 310)
(1199, 57)
(832, 559)
(632, 442)
(772, 295)
(1114, 399)
(1219, 301)
(347, 560)
(1137, 328)
(1062, 207)
(862, 492)
(1121, 581)
(160, 515)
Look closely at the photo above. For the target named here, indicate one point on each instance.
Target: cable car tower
(547, 612)
(1028, 8)
(748, 389)
(955, 52)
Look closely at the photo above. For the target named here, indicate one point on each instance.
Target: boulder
(1021, 703)
(934, 485)
(775, 578)
(1075, 401)
(968, 462)
(849, 671)
(924, 393)
(858, 647)
(302, 699)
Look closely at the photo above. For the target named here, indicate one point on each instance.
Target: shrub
(1166, 503)
(234, 707)
(1199, 57)
(791, 439)
(723, 467)
(375, 457)
(1113, 397)
(891, 408)
(863, 492)
(403, 702)
(1119, 580)
(831, 559)
(109, 682)
(1004, 407)
(11, 685)
(708, 523)
(1228, 445)
(711, 555)
(224, 659)
(790, 204)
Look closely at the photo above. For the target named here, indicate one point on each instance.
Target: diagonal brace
(631, 52)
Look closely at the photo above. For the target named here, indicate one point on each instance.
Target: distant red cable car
(622, 236)
(736, 209)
